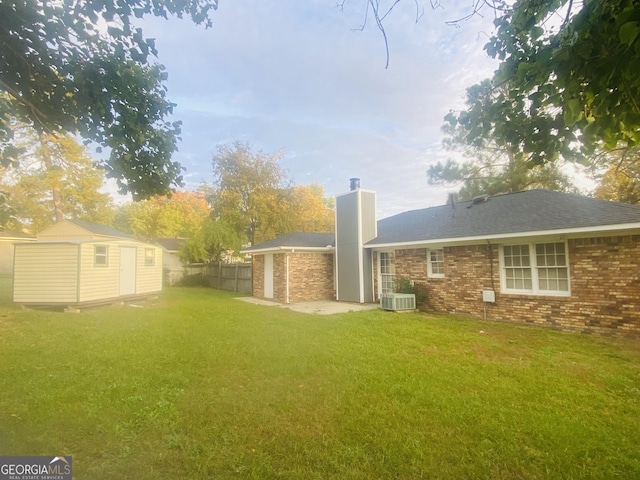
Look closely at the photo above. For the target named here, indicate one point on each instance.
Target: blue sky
(294, 75)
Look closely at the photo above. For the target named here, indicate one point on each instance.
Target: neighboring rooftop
(523, 212)
(296, 240)
(171, 244)
(15, 235)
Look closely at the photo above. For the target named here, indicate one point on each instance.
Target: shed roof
(99, 229)
(303, 240)
(527, 212)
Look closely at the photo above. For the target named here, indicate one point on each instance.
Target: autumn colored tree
(177, 215)
(620, 180)
(305, 208)
(247, 190)
(58, 180)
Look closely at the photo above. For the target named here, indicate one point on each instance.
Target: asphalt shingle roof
(296, 240)
(522, 212)
(171, 244)
(100, 229)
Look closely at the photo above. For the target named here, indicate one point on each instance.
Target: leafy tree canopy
(81, 67)
(491, 169)
(178, 215)
(246, 190)
(567, 83)
(57, 181)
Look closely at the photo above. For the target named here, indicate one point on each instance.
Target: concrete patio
(318, 307)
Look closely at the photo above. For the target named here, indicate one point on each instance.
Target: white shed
(78, 263)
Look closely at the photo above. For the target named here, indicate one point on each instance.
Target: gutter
(484, 238)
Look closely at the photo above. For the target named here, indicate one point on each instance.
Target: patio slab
(318, 307)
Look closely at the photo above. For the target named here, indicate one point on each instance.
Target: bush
(197, 280)
(406, 285)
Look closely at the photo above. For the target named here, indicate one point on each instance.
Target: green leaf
(629, 32)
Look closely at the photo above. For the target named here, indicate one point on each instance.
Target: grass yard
(197, 385)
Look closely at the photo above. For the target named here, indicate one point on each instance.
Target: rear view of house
(539, 256)
(77, 263)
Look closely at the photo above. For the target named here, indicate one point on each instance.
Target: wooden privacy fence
(232, 277)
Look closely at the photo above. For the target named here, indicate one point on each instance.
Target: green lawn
(197, 385)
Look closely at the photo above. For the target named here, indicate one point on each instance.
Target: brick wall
(257, 276)
(310, 277)
(605, 286)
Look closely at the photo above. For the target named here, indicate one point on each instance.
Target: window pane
(436, 262)
(553, 274)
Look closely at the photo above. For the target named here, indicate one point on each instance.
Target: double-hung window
(435, 263)
(387, 272)
(536, 268)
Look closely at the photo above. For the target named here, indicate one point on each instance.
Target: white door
(268, 276)
(128, 270)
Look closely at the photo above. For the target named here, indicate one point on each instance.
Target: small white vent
(489, 296)
(398, 301)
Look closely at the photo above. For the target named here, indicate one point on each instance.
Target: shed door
(268, 276)
(127, 270)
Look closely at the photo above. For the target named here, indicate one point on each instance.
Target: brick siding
(605, 286)
(310, 277)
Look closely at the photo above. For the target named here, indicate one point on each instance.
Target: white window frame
(149, 260)
(535, 268)
(430, 272)
(388, 275)
(104, 257)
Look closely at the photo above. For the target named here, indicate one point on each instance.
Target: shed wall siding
(45, 273)
(99, 282)
(605, 286)
(149, 278)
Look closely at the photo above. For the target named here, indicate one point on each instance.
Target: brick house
(537, 256)
(294, 268)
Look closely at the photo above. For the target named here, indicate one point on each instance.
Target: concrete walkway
(318, 308)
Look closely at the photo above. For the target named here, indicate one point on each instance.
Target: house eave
(630, 228)
(284, 249)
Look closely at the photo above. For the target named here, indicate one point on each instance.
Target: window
(435, 263)
(149, 257)
(100, 256)
(540, 269)
(387, 272)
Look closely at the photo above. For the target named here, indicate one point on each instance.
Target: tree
(81, 67)
(620, 180)
(177, 215)
(304, 208)
(490, 168)
(57, 180)
(567, 84)
(210, 242)
(247, 190)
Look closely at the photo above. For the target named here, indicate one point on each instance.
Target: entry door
(268, 276)
(128, 270)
